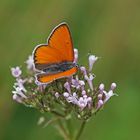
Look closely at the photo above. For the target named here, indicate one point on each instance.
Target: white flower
(75, 55)
(16, 72)
(92, 60)
(108, 95)
(72, 99)
(66, 94)
(30, 63)
(19, 91)
(81, 82)
(20, 83)
(57, 95)
(17, 98)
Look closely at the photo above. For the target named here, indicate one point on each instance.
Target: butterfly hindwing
(47, 78)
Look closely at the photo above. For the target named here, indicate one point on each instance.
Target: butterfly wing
(59, 48)
(45, 55)
(45, 78)
(61, 40)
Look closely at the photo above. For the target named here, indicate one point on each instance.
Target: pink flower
(16, 72)
(82, 84)
(89, 80)
(108, 94)
(67, 86)
(72, 99)
(82, 102)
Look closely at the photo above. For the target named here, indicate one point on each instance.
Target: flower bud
(92, 60)
(113, 86)
(83, 92)
(100, 104)
(101, 87)
(100, 96)
(17, 98)
(81, 82)
(67, 86)
(89, 99)
(74, 94)
(83, 70)
(66, 94)
(84, 96)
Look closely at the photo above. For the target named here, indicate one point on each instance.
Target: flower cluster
(73, 95)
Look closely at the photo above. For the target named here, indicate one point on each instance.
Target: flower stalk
(83, 123)
(66, 98)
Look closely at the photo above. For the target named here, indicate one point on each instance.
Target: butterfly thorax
(59, 67)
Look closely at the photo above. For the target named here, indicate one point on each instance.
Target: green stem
(80, 130)
(62, 130)
(57, 114)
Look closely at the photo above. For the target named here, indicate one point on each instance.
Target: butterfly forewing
(59, 48)
(45, 55)
(61, 40)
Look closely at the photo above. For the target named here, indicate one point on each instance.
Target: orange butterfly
(55, 59)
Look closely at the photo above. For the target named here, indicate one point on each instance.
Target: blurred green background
(109, 29)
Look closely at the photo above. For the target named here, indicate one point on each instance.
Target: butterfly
(55, 59)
